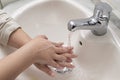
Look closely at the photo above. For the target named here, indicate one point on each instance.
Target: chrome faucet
(98, 23)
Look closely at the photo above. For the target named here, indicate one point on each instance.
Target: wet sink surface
(99, 56)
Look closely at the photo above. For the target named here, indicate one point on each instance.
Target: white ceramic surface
(99, 56)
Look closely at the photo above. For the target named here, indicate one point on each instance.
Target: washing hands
(53, 54)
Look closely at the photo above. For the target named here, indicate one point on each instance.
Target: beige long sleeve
(7, 26)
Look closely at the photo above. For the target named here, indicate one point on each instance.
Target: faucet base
(98, 34)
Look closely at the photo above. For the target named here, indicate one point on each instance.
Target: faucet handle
(103, 10)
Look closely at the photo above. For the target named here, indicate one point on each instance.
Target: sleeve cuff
(7, 30)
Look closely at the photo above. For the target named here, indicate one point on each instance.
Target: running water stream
(65, 69)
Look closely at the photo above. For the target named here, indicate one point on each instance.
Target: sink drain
(80, 42)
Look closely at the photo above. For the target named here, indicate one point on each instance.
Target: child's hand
(54, 56)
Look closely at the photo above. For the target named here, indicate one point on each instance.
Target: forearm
(15, 63)
(18, 38)
(10, 32)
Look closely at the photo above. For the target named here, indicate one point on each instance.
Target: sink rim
(36, 2)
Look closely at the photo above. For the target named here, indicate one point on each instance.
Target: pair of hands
(51, 54)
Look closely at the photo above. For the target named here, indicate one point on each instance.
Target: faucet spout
(97, 23)
(84, 24)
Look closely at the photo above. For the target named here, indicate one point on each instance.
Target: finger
(43, 36)
(69, 60)
(61, 50)
(59, 57)
(70, 55)
(54, 64)
(65, 64)
(57, 44)
(69, 47)
(64, 49)
(45, 69)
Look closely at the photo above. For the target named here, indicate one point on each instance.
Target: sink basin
(99, 56)
(48, 17)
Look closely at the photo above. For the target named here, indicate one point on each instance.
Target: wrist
(18, 38)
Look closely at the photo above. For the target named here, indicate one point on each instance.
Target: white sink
(49, 17)
(99, 56)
